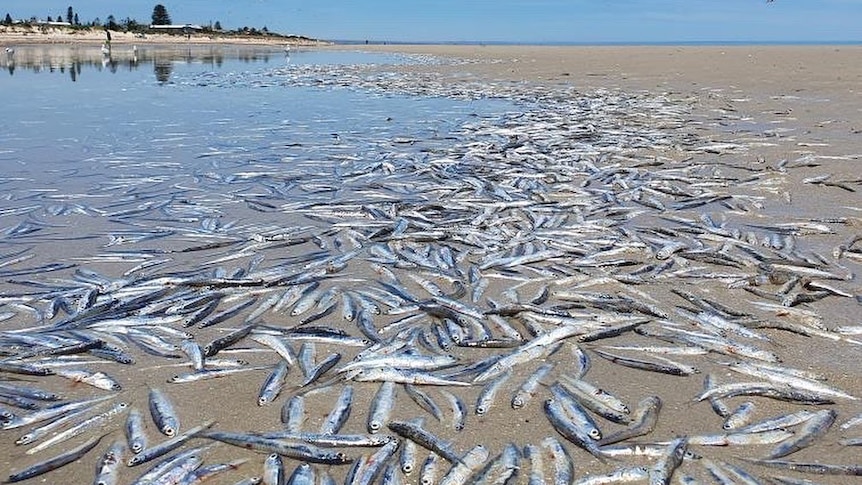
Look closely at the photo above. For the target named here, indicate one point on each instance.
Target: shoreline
(62, 36)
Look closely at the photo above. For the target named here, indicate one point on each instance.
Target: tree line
(160, 16)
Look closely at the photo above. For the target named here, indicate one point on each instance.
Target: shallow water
(236, 172)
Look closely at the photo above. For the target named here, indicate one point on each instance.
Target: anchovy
(373, 466)
(459, 410)
(531, 350)
(740, 439)
(424, 439)
(787, 376)
(293, 413)
(663, 470)
(527, 390)
(739, 417)
(489, 392)
(503, 468)
(207, 472)
(766, 389)
(814, 427)
(340, 412)
(195, 353)
(469, 463)
(99, 380)
(55, 462)
(332, 440)
(226, 341)
(272, 385)
(562, 423)
(424, 401)
(98, 421)
(163, 414)
(211, 374)
(404, 377)
(159, 469)
(273, 470)
(323, 367)
(777, 422)
(643, 421)
(135, 436)
(620, 475)
(165, 447)
(303, 452)
(381, 407)
(717, 405)
(407, 457)
(574, 412)
(108, 469)
(428, 474)
(807, 467)
(597, 400)
(51, 412)
(667, 366)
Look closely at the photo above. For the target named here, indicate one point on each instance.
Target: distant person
(108, 37)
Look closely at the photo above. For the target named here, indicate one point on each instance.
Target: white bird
(10, 51)
(106, 51)
(287, 49)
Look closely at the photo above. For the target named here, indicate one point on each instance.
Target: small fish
(135, 436)
(662, 472)
(272, 385)
(340, 412)
(527, 390)
(55, 462)
(98, 421)
(381, 407)
(163, 414)
(273, 470)
(108, 469)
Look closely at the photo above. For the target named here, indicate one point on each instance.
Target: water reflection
(75, 59)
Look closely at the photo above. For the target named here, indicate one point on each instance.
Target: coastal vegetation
(160, 17)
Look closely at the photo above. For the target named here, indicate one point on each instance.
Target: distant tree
(97, 22)
(264, 30)
(217, 25)
(59, 18)
(49, 19)
(70, 16)
(130, 24)
(8, 19)
(76, 21)
(111, 23)
(160, 15)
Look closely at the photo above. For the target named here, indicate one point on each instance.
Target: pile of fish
(580, 290)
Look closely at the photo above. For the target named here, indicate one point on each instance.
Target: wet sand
(781, 103)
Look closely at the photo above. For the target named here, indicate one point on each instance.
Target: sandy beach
(747, 112)
(814, 87)
(57, 35)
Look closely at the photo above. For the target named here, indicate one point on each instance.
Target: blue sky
(497, 20)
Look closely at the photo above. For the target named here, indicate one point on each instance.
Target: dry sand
(808, 91)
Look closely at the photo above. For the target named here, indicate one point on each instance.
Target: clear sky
(496, 20)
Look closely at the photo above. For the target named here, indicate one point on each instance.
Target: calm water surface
(65, 106)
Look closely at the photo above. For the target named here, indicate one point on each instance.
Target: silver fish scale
(584, 214)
